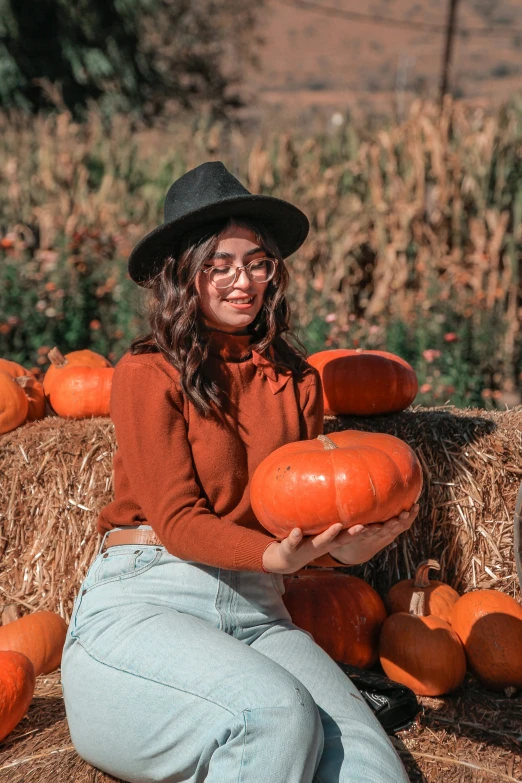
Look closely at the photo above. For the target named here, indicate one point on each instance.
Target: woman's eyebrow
(251, 252)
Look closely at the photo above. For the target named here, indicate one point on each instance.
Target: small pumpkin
(82, 392)
(82, 358)
(343, 613)
(489, 625)
(356, 381)
(40, 636)
(35, 396)
(351, 477)
(421, 596)
(13, 369)
(17, 681)
(423, 653)
(14, 404)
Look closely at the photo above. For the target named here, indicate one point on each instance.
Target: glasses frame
(238, 269)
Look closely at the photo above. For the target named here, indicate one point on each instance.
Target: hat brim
(288, 225)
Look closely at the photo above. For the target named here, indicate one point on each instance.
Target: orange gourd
(350, 477)
(421, 596)
(40, 636)
(13, 369)
(423, 653)
(82, 392)
(14, 404)
(362, 382)
(17, 681)
(343, 613)
(82, 358)
(35, 396)
(489, 625)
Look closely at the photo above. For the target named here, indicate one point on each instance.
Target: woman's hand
(296, 551)
(351, 547)
(361, 542)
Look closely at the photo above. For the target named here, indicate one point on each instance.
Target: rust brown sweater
(188, 476)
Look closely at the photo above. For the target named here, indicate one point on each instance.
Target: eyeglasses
(260, 270)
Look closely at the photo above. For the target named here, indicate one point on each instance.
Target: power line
(388, 21)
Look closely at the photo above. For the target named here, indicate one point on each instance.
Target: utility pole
(448, 49)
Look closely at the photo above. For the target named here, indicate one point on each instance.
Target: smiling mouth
(243, 301)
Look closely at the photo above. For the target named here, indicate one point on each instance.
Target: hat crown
(200, 187)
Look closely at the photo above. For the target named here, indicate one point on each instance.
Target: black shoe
(394, 705)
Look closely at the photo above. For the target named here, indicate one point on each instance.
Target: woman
(181, 662)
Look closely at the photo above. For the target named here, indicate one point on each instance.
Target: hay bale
(56, 474)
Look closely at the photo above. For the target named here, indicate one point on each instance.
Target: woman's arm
(151, 434)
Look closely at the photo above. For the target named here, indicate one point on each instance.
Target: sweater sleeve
(151, 435)
(313, 420)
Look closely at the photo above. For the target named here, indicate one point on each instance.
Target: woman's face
(234, 308)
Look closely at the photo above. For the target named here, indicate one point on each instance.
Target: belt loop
(100, 550)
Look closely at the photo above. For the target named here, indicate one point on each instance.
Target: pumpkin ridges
(422, 596)
(35, 396)
(343, 613)
(423, 653)
(40, 636)
(356, 381)
(17, 682)
(81, 392)
(13, 369)
(303, 485)
(489, 625)
(82, 358)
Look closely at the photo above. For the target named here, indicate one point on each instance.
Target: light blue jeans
(177, 672)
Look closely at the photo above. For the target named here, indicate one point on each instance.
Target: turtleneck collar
(230, 347)
(237, 348)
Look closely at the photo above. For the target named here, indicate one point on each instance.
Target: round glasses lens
(222, 276)
(262, 270)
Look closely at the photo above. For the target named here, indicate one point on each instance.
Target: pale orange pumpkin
(423, 653)
(35, 396)
(350, 477)
(40, 636)
(17, 681)
(343, 613)
(82, 392)
(421, 596)
(14, 404)
(59, 361)
(489, 625)
(356, 381)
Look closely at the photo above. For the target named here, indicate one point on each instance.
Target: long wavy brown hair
(178, 332)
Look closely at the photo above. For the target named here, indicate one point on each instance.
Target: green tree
(125, 54)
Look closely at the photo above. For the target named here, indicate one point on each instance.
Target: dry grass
(56, 474)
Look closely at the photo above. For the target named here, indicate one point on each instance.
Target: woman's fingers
(327, 536)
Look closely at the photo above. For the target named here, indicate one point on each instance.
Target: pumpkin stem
(421, 574)
(57, 358)
(26, 381)
(328, 444)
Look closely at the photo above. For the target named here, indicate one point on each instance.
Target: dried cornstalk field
(56, 474)
(417, 223)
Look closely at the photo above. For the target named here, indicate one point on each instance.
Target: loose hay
(56, 474)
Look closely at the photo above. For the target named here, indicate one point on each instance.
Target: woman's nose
(243, 281)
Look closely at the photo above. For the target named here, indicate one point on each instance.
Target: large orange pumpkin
(35, 396)
(343, 613)
(82, 392)
(363, 382)
(83, 358)
(350, 477)
(40, 636)
(14, 404)
(423, 653)
(421, 596)
(17, 681)
(489, 624)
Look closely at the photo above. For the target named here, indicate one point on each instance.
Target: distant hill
(313, 59)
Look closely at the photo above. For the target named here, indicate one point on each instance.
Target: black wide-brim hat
(204, 194)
